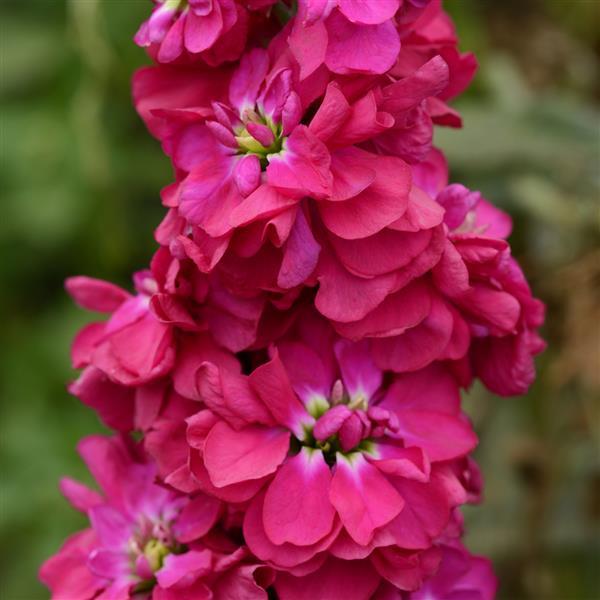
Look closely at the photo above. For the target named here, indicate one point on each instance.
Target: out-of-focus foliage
(80, 180)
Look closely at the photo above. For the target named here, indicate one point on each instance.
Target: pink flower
(365, 233)
(274, 205)
(477, 300)
(359, 579)
(294, 354)
(138, 344)
(347, 36)
(214, 30)
(144, 541)
(378, 288)
(460, 575)
(427, 32)
(505, 363)
(373, 462)
(133, 347)
(489, 288)
(221, 163)
(139, 407)
(190, 301)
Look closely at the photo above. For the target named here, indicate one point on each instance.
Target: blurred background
(80, 181)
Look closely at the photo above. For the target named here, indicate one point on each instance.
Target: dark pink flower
(427, 32)
(127, 408)
(359, 579)
(243, 210)
(138, 343)
(346, 36)
(334, 461)
(144, 541)
(460, 575)
(213, 30)
(488, 287)
(190, 301)
(133, 347)
(379, 288)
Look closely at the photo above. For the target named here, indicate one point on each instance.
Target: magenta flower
(138, 407)
(488, 286)
(217, 147)
(358, 579)
(145, 541)
(138, 343)
(346, 36)
(293, 357)
(374, 462)
(133, 346)
(214, 30)
(428, 31)
(479, 299)
(451, 573)
(262, 231)
(460, 575)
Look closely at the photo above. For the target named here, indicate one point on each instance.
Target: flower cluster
(292, 360)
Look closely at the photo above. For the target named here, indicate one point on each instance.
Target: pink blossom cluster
(291, 362)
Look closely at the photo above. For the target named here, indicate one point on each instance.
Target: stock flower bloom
(144, 541)
(133, 347)
(138, 343)
(379, 288)
(446, 571)
(277, 204)
(258, 148)
(358, 579)
(139, 407)
(311, 230)
(490, 290)
(427, 32)
(463, 299)
(334, 462)
(214, 30)
(348, 37)
(189, 301)
(460, 575)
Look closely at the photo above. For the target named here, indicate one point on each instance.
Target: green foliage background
(80, 179)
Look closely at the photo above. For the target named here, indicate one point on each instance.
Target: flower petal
(303, 167)
(272, 384)
(363, 497)
(234, 456)
(284, 555)
(301, 254)
(379, 205)
(297, 508)
(360, 375)
(441, 436)
(179, 566)
(360, 48)
(95, 294)
(371, 13)
(420, 345)
(197, 518)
